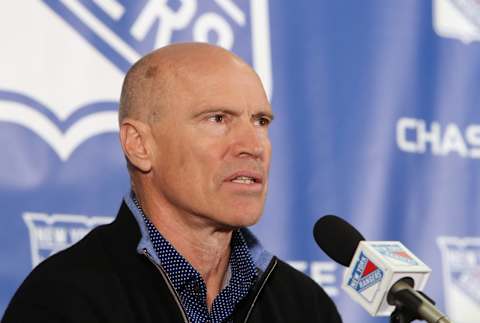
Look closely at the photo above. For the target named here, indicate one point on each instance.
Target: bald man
(194, 122)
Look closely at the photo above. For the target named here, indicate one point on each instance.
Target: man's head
(194, 127)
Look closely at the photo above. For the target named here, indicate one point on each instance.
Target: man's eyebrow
(215, 109)
(269, 115)
(232, 112)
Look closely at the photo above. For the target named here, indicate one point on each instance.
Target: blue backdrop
(377, 121)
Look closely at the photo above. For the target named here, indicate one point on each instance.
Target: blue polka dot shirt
(191, 287)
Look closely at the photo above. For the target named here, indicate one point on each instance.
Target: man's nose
(248, 141)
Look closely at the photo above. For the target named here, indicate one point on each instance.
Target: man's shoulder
(101, 250)
(295, 279)
(78, 264)
(298, 297)
(61, 283)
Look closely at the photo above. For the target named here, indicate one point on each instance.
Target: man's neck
(204, 246)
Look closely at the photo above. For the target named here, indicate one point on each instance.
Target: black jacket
(103, 278)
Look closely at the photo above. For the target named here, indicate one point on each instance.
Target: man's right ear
(133, 138)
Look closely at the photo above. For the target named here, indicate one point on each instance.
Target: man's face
(212, 150)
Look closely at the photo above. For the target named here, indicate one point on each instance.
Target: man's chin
(236, 221)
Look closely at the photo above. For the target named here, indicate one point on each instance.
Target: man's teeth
(243, 180)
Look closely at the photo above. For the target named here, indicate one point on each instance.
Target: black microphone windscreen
(337, 238)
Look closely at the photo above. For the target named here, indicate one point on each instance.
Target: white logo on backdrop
(52, 233)
(107, 26)
(461, 276)
(65, 142)
(458, 19)
(418, 136)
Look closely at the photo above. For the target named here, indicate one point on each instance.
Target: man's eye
(263, 121)
(217, 118)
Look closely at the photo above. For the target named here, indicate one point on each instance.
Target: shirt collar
(241, 271)
(260, 256)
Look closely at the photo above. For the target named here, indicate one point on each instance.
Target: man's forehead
(219, 83)
(204, 77)
(227, 92)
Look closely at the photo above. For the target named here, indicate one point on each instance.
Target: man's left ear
(134, 141)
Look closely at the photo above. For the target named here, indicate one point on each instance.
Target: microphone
(380, 275)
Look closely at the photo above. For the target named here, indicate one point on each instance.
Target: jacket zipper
(170, 286)
(260, 290)
(177, 299)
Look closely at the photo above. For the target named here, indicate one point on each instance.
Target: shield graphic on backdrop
(52, 233)
(461, 276)
(458, 19)
(123, 31)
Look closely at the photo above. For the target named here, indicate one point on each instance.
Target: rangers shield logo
(396, 254)
(461, 276)
(123, 31)
(366, 277)
(52, 233)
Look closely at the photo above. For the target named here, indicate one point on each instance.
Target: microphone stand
(412, 305)
(401, 314)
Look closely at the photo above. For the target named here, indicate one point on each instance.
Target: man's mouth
(244, 180)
